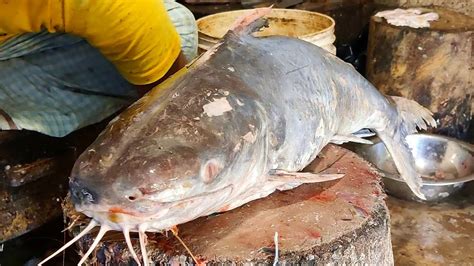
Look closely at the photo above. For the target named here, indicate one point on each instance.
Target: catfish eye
(210, 171)
(133, 197)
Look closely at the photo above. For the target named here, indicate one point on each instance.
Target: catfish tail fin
(251, 22)
(410, 116)
(399, 150)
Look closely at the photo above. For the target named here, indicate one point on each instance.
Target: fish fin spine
(251, 21)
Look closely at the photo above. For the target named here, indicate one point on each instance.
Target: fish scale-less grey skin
(308, 94)
(211, 139)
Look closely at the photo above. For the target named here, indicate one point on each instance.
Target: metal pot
(445, 165)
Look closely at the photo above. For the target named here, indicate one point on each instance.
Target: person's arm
(179, 63)
(137, 36)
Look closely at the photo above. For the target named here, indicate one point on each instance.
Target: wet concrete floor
(433, 233)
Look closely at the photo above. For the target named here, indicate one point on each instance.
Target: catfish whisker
(71, 225)
(142, 236)
(89, 227)
(126, 234)
(275, 239)
(102, 231)
(175, 233)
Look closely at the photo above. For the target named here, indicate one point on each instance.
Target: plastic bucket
(312, 27)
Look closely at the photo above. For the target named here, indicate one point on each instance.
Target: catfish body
(213, 138)
(235, 126)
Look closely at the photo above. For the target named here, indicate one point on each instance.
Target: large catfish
(236, 125)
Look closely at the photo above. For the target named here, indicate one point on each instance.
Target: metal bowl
(445, 165)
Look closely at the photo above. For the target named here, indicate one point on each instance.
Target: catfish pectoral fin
(291, 178)
(340, 139)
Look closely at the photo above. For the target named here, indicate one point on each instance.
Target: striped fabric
(186, 26)
(58, 83)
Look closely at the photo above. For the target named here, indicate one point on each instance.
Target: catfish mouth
(163, 215)
(121, 219)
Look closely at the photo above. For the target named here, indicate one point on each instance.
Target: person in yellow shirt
(66, 64)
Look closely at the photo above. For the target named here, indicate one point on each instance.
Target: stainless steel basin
(445, 164)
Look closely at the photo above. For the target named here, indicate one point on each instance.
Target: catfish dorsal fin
(251, 22)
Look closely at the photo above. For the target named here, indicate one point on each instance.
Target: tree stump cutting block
(34, 169)
(343, 221)
(431, 65)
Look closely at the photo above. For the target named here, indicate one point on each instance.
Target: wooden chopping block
(433, 66)
(34, 170)
(343, 222)
(461, 6)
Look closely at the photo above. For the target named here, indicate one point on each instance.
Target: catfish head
(151, 192)
(177, 154)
